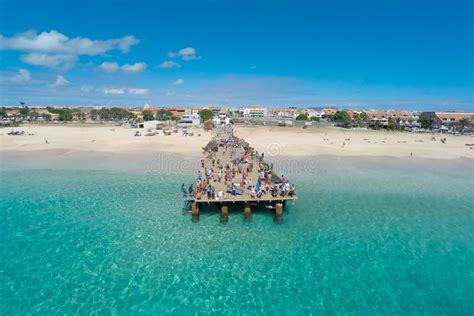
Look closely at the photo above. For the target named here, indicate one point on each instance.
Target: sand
(273, 141)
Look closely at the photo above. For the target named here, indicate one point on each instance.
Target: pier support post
(279, 212)
(247, 212)
(224, 213)
(195, 212)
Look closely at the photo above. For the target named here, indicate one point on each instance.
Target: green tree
(3, 112)
(94, 114)
(356, 118)
(315, 118)
(24, 111)
(164, 115)
(377, 124)
(364, 117)
(46, 117)
(427, 119)
(463, 123)
(65, 114)
(112, 114)
(33, 115)
(342, 117)
(147, 115)
(205, 114)
(302, 117)
(392, 124)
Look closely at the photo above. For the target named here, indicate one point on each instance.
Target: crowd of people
(236, 174)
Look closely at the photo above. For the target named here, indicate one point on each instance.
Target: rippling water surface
(363, 238)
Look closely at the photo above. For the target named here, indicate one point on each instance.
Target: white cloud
(138, 91)
(137, 67)
(187, 53)
(52, 48)
(109, 67)
(60, 81)
(55, 42)
(169, 64)
(114, 91)
(123, 91)
(178, 82)
(49, 60)
(112, 67)
(22, 76)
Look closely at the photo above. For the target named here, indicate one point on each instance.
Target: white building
(254, 111)
(151, 124)
(189, 120)
(314, 113)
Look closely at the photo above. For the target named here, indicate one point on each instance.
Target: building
(454, 117)
(189, 120)
(329, 111)
(40, 111)
(402, 118)
(255, 111)
(151, 124)
(215, 110)
(175, 111)
(314, 113)
(285, 113)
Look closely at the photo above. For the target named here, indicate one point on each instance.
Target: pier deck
(230, 163)
(227, 157)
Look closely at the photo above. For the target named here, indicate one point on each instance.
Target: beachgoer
(209, 191)
(292, 191)
(252, 192)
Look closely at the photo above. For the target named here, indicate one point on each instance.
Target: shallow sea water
(363, 238)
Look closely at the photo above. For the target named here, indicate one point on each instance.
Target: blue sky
(351, 53)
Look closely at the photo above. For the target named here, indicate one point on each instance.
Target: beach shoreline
(186, 164)
(51, 144)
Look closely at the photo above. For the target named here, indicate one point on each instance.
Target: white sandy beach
(274, 141)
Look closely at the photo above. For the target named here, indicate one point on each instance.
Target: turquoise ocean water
(364, 238)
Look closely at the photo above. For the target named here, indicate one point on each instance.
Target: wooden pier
(231, 173)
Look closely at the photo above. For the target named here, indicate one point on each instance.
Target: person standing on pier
(209, 191)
